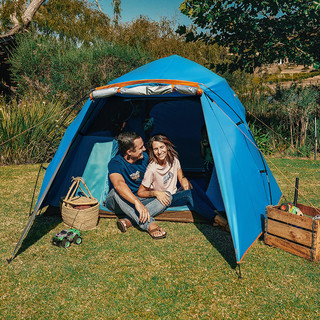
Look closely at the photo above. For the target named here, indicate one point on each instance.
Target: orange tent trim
(250, 247)
(172, 82)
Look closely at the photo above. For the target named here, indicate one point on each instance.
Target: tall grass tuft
(26, 128)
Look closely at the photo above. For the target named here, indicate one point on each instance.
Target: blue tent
(177, 97)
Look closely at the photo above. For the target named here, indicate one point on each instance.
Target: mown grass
(191, 274)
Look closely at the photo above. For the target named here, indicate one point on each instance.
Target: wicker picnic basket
(80, 212)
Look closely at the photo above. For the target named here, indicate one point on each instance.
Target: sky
(154, 9)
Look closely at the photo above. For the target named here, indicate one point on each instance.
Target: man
(126, 172)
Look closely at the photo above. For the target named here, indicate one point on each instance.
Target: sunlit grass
(191, 274)
(308, 171)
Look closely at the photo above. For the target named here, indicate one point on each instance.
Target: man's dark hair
(126, 141)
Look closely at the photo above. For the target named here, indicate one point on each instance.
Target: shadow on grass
(221, 240)
(41, 226)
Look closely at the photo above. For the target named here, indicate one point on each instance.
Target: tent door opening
(180, 119)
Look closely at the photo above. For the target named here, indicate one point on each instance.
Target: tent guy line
(32, 127)
(254, 144)
(269, 158)
(251, 199)
(43, 121)
(72, 108)
(286, 142)
(32, 214)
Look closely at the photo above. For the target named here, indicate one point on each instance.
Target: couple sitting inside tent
(146, 185)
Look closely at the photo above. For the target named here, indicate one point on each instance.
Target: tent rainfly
(179, 98)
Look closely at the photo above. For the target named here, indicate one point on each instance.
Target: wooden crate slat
(289, 232)
(316, 242)
(292, 233)
(303, 222)
(288, 246)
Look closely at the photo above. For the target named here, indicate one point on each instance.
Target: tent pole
(315, 139)
(49, 145)
(25, 231)
(33, 214)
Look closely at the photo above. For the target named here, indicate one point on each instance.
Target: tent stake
(296, 190)
(239, 274)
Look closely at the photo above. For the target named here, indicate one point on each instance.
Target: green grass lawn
(191, 274)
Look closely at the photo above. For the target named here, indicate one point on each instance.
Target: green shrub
(265, 140)
(298, 105)
(289, 115)
(45, 67)
(26, 128)
(284, 77)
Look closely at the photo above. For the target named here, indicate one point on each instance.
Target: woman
(162, 174)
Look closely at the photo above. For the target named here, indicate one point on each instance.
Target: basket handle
(90, 195)
(74, 186)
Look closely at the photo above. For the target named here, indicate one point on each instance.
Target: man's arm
(124, 191)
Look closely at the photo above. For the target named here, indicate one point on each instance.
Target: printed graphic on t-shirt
(135, 176)
(167, 177)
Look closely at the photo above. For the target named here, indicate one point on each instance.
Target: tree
(16, 18)
(72, 20)
(160, 40)
(62, 17)
(75, 20)
(116, 10)
(258, 32)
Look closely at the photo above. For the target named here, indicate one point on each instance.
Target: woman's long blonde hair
(171, 152)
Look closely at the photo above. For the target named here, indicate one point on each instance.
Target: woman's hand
(163, 197)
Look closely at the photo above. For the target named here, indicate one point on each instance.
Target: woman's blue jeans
(196, 200)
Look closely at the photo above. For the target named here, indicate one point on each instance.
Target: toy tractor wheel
(65, 243)
(284, 207)
(77, 240)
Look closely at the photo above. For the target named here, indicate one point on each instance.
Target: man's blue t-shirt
(132, 172)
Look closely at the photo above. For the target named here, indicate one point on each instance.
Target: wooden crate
(299, 235)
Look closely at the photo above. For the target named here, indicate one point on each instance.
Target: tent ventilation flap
(146, 90)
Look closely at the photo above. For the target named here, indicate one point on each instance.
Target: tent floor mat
(174, 216)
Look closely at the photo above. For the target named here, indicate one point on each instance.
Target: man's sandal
(123, 225)
(226, 228)
(155, 230)
(222, 222)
